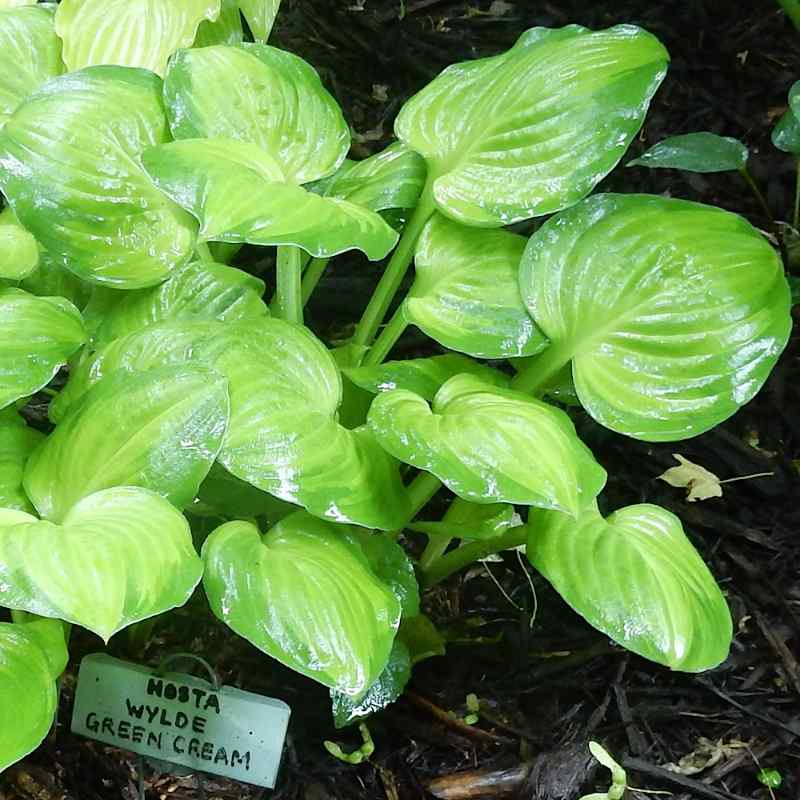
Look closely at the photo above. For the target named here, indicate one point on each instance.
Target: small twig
(456, 724)
(479, 783)
(697, 788)
(781, 650)
(499, 585)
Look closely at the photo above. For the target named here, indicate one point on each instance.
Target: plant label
(181, 719)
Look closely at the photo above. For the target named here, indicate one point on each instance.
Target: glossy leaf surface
(198, 291)
(695, 152)
(17, 442)
(258, 94)
(533, 130)
(131, 33)
(466, 291)
(283, 435)
(206, 176)
(19, 252)
(260, 16)
(69, 165)
(673, 313)
(306, 597)
(28, 693)
(421, 638)
(160, 430)
(473, 439)
(423, 376)
(37, 336)
(393, 178)
(638, 579)
(120, 556)
(30, 54)
(389, 686)
(226, 29)
(786, 134)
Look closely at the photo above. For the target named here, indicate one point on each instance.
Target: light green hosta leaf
(29, 657)
(17, 3)
(673, 313)
(226, 29)
(50, 279)
(637, 578)
(259, 94)
(533, 130)
(69, 165)
(131, 33)
(488, 444)
(160, 430)
(37, 336)
(386, 689)
(119, 556)
(206, 176)
(695, 152)
(466, 291)
(423, 376)
(260, 16)
(17, 442)
(391, 564)
(393, 178)
(471, 521)
(30, 54)
(198, 291)
(283, 436)
(171, 343)
(305, 596)
(19, 252)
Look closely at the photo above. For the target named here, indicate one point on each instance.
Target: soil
(547, 682)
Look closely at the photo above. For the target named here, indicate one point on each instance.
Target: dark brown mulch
(547, 687)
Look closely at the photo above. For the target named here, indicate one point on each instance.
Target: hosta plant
(135, 166)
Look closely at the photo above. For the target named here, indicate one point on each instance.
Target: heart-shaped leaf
(121, 555)
(259, 94)
(19, 251)
(37, 336)
(283, 436)
(226, 29)
(637, 578)
(260, 16)
(488, 444)
(305, 596)
(535, 129)
(31, 660)
(389, 686)
(198, 291)
(673, 313)
(160, 430)
(466, 291)
(131, 33)
(205, 176)
(393, 178)
(695, 152)
(423, 376)
(147, 349)
(30, 54)
(69, 165)
(17, 442)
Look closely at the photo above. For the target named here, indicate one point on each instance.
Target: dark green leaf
(695, 152)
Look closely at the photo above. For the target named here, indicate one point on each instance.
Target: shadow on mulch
(546, 686)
